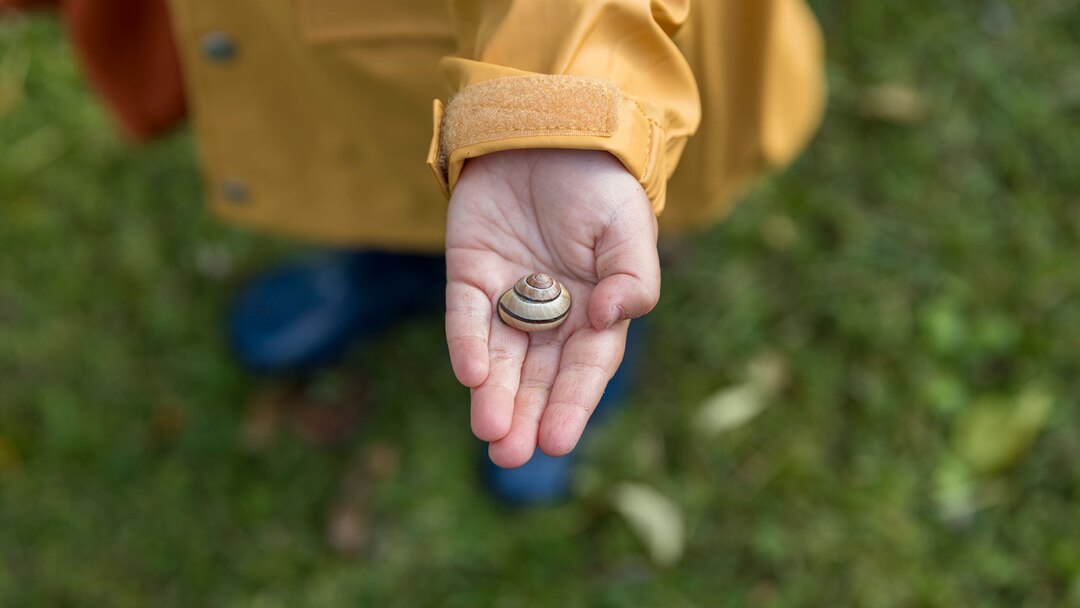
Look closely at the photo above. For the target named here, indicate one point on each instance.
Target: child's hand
(580, 216)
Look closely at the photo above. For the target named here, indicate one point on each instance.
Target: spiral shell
(536, 302)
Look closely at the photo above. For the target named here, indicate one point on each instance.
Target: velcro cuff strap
(528, 106)
(547, 111)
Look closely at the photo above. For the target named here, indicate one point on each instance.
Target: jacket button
(234, 191)
(218, 47)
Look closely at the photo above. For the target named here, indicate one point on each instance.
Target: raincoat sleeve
(581, 74)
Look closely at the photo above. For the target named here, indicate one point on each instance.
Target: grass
(914, 274)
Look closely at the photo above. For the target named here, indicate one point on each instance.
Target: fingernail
(615, 315)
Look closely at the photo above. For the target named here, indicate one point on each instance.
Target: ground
(861, 389)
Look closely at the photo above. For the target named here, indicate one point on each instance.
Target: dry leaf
(730, 408)
(655, 519)
(995, 433)
(734, 406)
(348, 528)
(893, 102)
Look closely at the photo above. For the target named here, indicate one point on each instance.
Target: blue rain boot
(546, 479)
(307, 313)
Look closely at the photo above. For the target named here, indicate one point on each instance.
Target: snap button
(234, 191)
(218, 46)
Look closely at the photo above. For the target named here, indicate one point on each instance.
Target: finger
(493, 401)
(628, 267)
(589, 360)
(537, 376)
(621, 297)
(468, 319)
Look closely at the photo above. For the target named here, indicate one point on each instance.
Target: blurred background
(860, 389)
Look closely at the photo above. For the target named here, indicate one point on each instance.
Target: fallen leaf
(893, 102)
(348, 524)
(730, 408)
(734, 406)
(654, 518)
(348, 528)
(995, 433)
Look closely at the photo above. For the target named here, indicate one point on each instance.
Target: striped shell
(535, 303)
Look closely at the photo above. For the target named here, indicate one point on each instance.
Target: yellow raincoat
(313, 117)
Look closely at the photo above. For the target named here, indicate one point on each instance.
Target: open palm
(581, 217)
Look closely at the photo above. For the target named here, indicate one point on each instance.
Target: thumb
(629, 272)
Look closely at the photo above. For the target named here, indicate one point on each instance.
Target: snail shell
(535, 303)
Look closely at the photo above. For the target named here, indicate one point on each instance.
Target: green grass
(916, 272)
